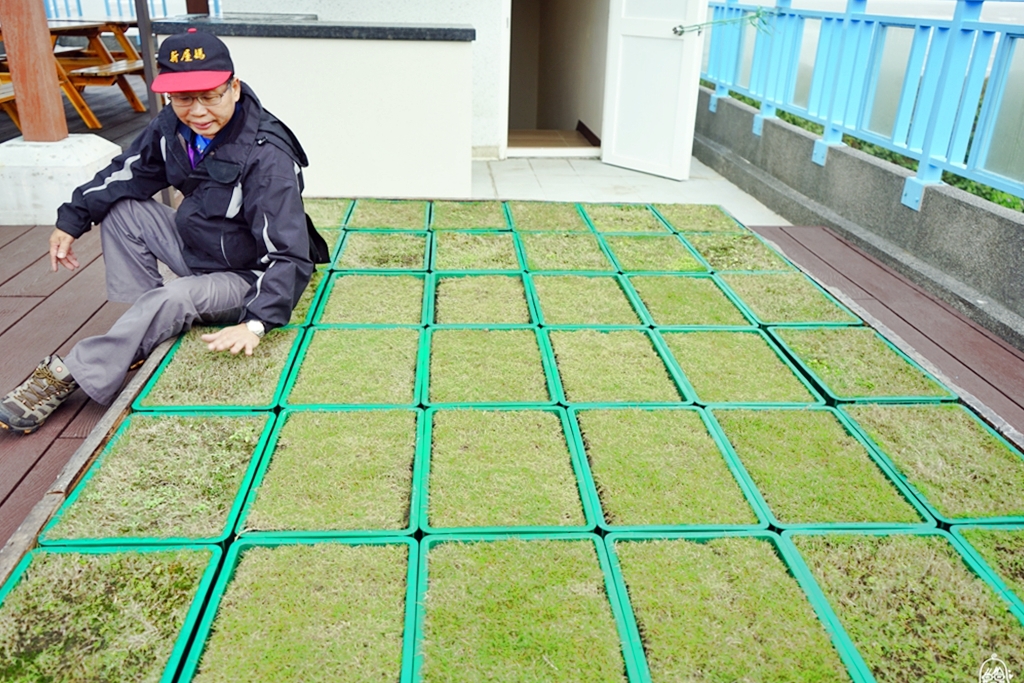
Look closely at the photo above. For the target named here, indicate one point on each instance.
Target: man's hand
(60, 250)
(233, 339)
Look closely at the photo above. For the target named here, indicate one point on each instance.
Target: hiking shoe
(28, 406)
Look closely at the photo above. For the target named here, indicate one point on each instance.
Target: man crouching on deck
(238, 242)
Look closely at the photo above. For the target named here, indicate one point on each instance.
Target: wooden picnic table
(93, 64)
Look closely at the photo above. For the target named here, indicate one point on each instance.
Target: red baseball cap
(192, 62)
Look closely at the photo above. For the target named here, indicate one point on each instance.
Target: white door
(651, 84)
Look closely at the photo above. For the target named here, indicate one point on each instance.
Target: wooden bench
(7, 102)
(109, 74)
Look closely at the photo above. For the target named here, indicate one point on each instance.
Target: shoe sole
(7, 427)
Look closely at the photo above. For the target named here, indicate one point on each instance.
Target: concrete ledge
(961, 248)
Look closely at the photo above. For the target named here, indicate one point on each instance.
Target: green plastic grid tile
(140, 404)
(630, 297)
(716, 217)
(437, 278)
(926, 521)
(654, 222)
(318, 315)
(942, 393)
(378, 239)
(558, 251)
(324, 213)
(311, 300)
(685, 394)
(685, 260)
(141, 541)
(437, 207)
(192, 616)
(632, 670)
(784, 552)
(992, 574)
(717, 262)
(830, 302)
(412, 522)
(419, 381)
(586, 503)
(979, 478)
(575, 222)
(234, 556)
(799, 566)
(742, 316)
(814, 397)
(514, 262)
(545, 357)
(742, 484)
(355, 221)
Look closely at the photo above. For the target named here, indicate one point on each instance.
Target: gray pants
(135, 235)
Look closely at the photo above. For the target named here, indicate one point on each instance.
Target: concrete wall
(573, 50)
(395, 123)
(962, 248)
(490, 18)
(522, 92)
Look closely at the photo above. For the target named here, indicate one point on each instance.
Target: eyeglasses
(209, 99)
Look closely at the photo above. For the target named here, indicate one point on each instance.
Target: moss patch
(564, 251)
(481, 299)
(653, 253)
(330, 610)
(388, 299)
(623, 218)
(912, 607)
(385, 213)
(486, 366)
(810, 470)
(854, 361)
(198, 376)
(165, 477)
(548, 595)
(368, 250)
(686, 301)
(660, 467)
(469, 215)
(724, 610)
(785, 298)
(611, 367)
(697, 218)
(500, 469)
(338, 471)
(1003, 551)
(327, 213)
(475, 251)
(376, 366)
(546, 216)
(958, 465)
(80, 617)
(579, 300)
(734, 367)
(737, 252)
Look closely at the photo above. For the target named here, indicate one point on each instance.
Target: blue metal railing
(948, 93)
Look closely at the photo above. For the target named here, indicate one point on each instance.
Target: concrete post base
(37, 177)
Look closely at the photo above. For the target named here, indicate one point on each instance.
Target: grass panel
(653, 253)
(469, 215)
(610, 367)
(737, 252)
(376, 251)
(579, 300)
(546, 216)
(686, 301)
(486, 366)
(327, 213)
(495, 299)
(1003, 551)
(697, 218)
(623, 218)
(383, 213)
(475, 251)
(785, 298)
(564, 251)
(381, 299)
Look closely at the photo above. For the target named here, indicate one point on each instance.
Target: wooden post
(197, 6)
(33, 70)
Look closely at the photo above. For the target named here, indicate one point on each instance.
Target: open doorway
(556, 79)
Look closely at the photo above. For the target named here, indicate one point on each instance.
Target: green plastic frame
(576, 458)
(288, 536)
(143, 541)
(1016, 603)
(840, 641)
(231, 560)
(926, 523)
(730, 460)
(335, 275)
(628, 654)
(191, 617)
(775, 333)
(816, 397)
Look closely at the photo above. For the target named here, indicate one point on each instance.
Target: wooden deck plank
(798, 253)
(45, 329)
(11, 232)
(13, 309)
(38, 280)
(35, 485)
(99, 323)
(23, 251)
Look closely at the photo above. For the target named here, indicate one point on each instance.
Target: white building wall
(490, 18)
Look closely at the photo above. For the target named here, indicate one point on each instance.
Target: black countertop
(307, 26)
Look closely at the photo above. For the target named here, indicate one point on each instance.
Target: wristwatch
(256, 327)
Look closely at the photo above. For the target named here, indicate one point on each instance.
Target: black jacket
(243, 206)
